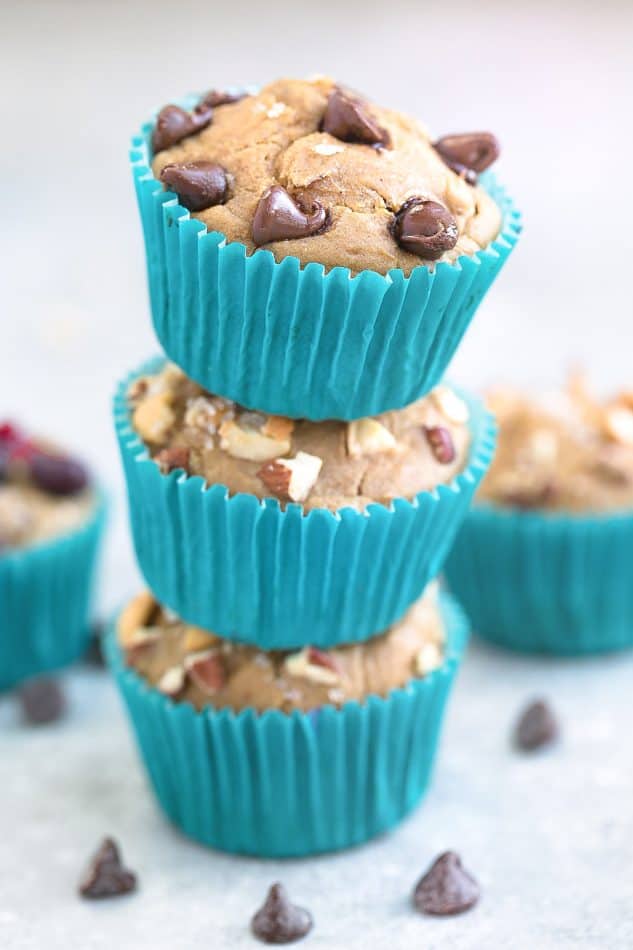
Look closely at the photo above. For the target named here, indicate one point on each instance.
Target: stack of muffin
(297, 474)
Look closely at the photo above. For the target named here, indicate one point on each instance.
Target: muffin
(262, 528)
(286, 753)
(542, 561)
(51, 519)
(380, 241)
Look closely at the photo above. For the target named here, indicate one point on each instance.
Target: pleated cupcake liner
(300, 341)
(45, 598)
(539, 582)
(282, 785)
(249, 570)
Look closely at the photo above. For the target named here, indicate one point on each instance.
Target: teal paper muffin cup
(297, 341)
(540, 582)
(45, 597)
(249, 570)
(277, 785)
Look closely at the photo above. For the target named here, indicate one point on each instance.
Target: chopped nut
(153, 417)
(292, 478)
(197, 639)
(278, 427)
(450, 405)
(618, 421)
(137, 388)
(139, 643)
(171, 458)
(206, 671)
(368, 437)
(543, 445)
(428, 659)
(136, 615)
(277, 109)
(172, 681)
(201, 413)
(250, 444)
(313, 665)
(327, 148)
(441, 443)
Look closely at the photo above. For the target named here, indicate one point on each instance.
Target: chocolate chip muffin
(572, 452)
(43, 492)
(328, 465)
(195, 666)
(310, 169)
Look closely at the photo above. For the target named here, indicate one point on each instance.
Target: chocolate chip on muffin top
(571, 453)
(317, 464)
(312, 170)
(43, 492)
(189, 664)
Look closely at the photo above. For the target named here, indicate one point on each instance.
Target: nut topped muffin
(310, 169)
(43, 492)
(573, 453)
(193, 665)
(328, 465)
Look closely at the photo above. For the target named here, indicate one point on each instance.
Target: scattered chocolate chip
(446, 888)
(42, 701)
(279, 217)
(441, 443)
(347, 119)
(57, 474)
(199, 185)
(279, 921)
(425, 228)
(174, 124)
(215, 98)
(537, 727)
(469, 153)
(105, 876)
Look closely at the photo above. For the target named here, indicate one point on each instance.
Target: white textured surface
(550, 838)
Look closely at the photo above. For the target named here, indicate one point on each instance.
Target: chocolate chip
(425, 228)
(446, 888)
(57, 474)
(441, 443)
(105, 876)
(174, 124)
(279, 921)
(42, 701)
(215, 98)
(278, 217)
(536, 727)
(199, 185)
(346, 118)
(469, 153)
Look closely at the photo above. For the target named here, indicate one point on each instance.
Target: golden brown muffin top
(317, 464)
(192, 665)
(308, 169)
(572, 453)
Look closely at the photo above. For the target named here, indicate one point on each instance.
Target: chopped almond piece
(292, 478)
(205, 670)
(250, 444)
(368, 437)
(135, 616)
(153, 417)
(450, 405)
(303, 666)
(197, 639)
(172, 681)
(278, 427)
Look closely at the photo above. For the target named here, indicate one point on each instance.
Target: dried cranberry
(58, 474)
(8, 432)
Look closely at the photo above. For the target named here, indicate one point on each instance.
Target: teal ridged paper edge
(538, 582)
(45, 598)
(277, 785)
(248, 570)
(298, 341)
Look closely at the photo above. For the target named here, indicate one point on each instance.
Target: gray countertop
(549, 836)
